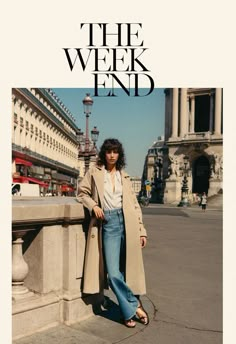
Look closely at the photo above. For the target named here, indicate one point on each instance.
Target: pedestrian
(204, 201)
(199, 199)
(116, 233)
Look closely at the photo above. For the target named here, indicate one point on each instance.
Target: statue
(174, 167)
(218, 166)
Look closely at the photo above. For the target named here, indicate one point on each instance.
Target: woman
(116, 233)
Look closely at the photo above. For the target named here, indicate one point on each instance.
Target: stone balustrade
(49, 238)
(198, 136)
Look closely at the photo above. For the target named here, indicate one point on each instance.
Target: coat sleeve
(143, 231)
(85, 192)
(138, 210)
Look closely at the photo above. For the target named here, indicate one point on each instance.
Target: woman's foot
(130, 323)
(142, 314)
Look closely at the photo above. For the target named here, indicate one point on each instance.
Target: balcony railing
(198, 135)
(44, 159)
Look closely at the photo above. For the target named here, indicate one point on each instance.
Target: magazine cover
(113, 169)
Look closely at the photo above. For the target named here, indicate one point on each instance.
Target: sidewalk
(104, 327)
(183, 266)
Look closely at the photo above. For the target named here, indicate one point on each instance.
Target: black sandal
(143, 318)
(132, 323)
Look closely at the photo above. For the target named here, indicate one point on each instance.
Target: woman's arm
(143, 232)
(85, 196)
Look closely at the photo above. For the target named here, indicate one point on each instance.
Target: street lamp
(159, 180)
(184, 190)
(86, 149)
(94, 135)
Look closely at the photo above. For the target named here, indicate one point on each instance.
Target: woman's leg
(114, 248)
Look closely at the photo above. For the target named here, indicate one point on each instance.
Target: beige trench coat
(91, 193)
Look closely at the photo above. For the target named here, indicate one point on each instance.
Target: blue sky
(135, 121)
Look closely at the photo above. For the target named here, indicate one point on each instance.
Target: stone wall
(49, 239)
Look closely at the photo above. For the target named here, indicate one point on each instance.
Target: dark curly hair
(108, 145)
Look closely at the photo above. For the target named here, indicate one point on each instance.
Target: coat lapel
(99, 182)
(124, 178)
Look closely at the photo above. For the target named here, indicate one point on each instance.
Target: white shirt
(204, 200)
(112, 199)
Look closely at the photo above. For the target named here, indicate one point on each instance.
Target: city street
(183, 264)
(185, 279)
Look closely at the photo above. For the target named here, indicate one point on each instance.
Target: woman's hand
(98, 212)
(143, 241)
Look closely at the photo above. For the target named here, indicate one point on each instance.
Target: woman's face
(112, 157)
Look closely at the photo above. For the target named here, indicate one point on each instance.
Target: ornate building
(193, 129)
(44, 141)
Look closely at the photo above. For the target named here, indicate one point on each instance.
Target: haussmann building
(44, 141)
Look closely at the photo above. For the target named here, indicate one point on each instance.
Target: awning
(37, 181)
(20, 161)
(67, 188)
(17, 180)
(23, 179)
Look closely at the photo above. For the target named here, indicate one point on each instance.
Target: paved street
(183, 263)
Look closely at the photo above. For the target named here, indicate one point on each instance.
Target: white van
(25, 189)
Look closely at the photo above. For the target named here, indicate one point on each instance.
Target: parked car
(25, 189)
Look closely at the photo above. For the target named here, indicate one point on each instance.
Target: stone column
(211, 113)
(175, 112)
(218, 102)
(188, 115)
(183, 112)
(192, 115)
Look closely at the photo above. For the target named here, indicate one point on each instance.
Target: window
(15, 118)
(202, 113)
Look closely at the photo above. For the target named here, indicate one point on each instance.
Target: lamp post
(87, 149)
(184, 191)
(159, 182)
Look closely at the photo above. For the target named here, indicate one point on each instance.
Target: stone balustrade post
(20, 268)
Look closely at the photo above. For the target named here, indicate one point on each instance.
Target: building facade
(194, 130)
(136, 184)
(152, 178)
(44, 141)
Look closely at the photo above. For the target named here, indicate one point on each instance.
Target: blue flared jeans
(114, 253)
